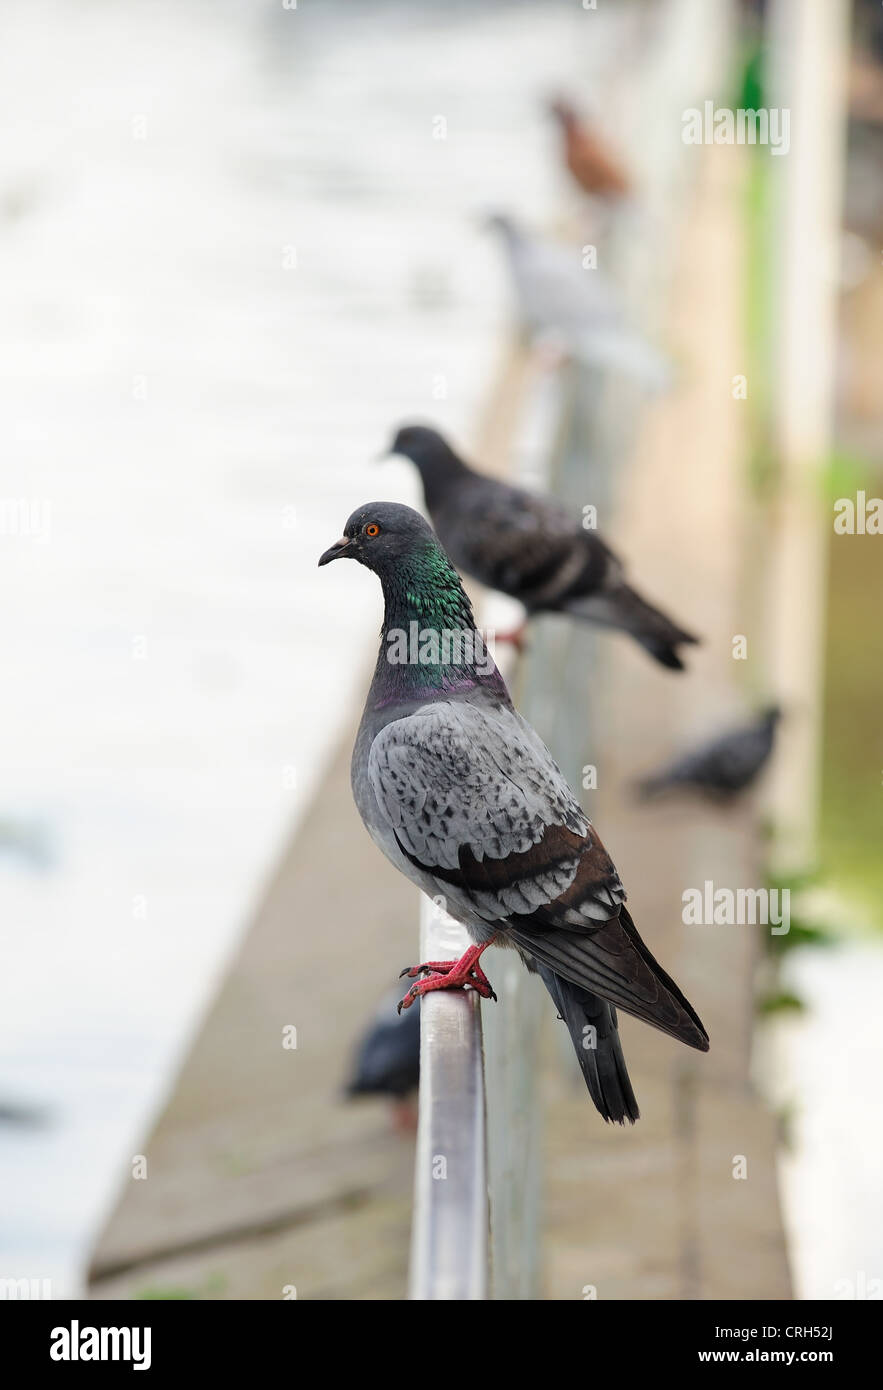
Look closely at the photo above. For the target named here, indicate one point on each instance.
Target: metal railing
(477, 1180)
(449, 1238)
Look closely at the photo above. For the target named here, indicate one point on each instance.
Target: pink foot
(516, 637)
(404, 1116)
(464, 973)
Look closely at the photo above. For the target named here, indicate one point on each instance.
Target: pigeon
(463, 797)
(531, 548)
(722, 768)
(16, 1112)
(590, 163)
(29, 840)
(387, 1056)
(578, 309)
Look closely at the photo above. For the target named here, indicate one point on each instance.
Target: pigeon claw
(516, 638)
(435, 980)
(437, 967)
(464, 973)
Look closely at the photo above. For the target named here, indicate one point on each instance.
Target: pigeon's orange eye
(372, 529)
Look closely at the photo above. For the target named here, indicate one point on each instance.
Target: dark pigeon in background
(463, 797)
(386, 1061)
(722, 768)
(531, 548)
(25, 1113)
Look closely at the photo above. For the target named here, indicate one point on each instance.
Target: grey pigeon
(577, 308)
(17, 1112)
(387, 1056)
(28, 839)
(722, 768)
(462, 796)
(531, 548)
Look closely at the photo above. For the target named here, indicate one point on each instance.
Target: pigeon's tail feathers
(663, 652)
(614, 964)
(623, 608)
(593, 1029)
(656, 633)
(689, 1028)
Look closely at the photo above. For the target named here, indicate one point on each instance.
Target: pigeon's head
(439, 467)
(422, 445)
(380, 536)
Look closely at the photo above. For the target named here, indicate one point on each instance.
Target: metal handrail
(477, 1165)
(449, 1237)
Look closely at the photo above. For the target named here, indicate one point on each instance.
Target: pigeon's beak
(335, 551)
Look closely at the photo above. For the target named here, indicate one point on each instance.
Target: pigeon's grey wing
(523, 545)
(475, 800)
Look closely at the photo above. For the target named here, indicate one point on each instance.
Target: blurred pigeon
(722, 768)
(27, 839)
(387, 1056)
(577, 309)
(17, 1112)
(591, 164)
(462, 796)
(531, 548)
